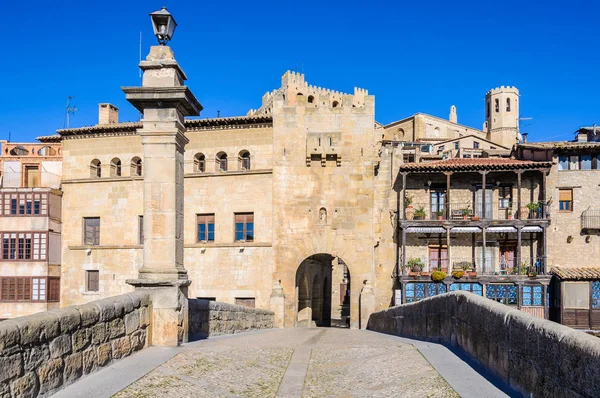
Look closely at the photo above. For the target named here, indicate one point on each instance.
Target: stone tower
(502, 115)
(453, 115)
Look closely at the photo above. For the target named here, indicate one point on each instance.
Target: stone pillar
(164, 101)
(367, 303)
(277, 304)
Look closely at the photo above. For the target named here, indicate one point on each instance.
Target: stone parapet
(537, 357)
(212, 318)
(42, 353)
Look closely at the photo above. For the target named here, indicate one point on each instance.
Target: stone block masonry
(42, 353)
(212, 318)
(537, 357)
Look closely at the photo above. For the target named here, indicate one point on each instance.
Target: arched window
(19, 151)
(47, 151)
(244, 160)
(136, 166)
(200, 163)
(299, 94)
(487, 109)
(95, 169)
(222, 161)
(335, 104)
(497, 105)
(311, 99)
(508, 105)
(115, 167)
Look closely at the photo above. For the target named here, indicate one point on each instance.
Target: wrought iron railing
(590, 219)
(497, 210)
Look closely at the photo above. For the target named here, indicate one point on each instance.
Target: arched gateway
(322, 292)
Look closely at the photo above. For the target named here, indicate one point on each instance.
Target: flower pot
(440, 218)
(475, 218)
(531, 275)
(509, 217)
(411, 273)
(472, 273)
(425, 273)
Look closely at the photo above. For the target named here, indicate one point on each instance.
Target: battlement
(294, 85)
(503, 89)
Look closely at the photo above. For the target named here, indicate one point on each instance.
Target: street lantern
(164, 25)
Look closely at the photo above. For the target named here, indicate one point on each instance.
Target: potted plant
(509, 214)
(438, 275)
(533, 208)
(466, 213)
(532, 272)
(408, 199)
(420, 213)
(457, 274)
(440, 214)
(415, 265)
(520, 269)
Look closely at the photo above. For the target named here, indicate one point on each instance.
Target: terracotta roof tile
(576, 273)
(456, 164)
(561, 145)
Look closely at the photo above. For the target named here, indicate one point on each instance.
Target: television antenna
(69, 110)
(520, 125)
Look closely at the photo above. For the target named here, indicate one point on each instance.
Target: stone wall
(212, 318)
(535, 356)
(42, 353)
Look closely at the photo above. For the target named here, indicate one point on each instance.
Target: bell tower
(502, 115)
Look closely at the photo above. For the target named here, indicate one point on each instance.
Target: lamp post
(163, 24)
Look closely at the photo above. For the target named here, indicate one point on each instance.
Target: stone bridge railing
(537, 357)
(42, 353)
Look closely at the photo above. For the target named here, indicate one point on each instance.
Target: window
(115, 167)
(335, 104)
(136, 167)
(245, 301)
(487, 110)
(532, 295)
(502, 293)
(497, 105)
(206, 227)
(244, 160)
(91, 231)
(441, 149)
(95, 169)
(24, 246)
(475, 145)
(222, 161)
(456, 145)
(573, 162)
(576, 295)
(421, 290)
(596, 295)
(474, 288)
(409, 157)
(508, 105)
(586, 162)
(92, 281)
(244, 227)
(505, 197)
(32, 176)
(141, 230)
(18, 204)
(29, 289)
(311, 99)
(565, 200)
(563, 163)
(200, 163)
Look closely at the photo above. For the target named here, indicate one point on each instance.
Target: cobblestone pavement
(294, 363)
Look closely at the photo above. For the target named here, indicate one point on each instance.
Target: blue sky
(413, 56)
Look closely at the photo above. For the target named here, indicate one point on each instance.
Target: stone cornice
(102, 179)
(228, 173)
(227, 245)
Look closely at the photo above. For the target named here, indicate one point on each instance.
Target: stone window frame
(136, 166)
(222, 161)
(199, 163)
(567, 199)
(244, 160)
(141, 230)
(115, 168)
(94, 231)
(205, 219)
(241, 225)
(96, 168)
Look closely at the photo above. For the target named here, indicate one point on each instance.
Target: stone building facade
(30, 226)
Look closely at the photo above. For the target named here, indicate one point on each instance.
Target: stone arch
(136, 166)
(222, 162)
(244, 158)
(311, 99)
(95, 168)
(335, 104)
(199, 163)
(303, 294)
(19, 151)
(399, 135)
(323, 216)
(115, 167)
(47, 151)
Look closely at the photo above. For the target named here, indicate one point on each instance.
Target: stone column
(164, 101)
(277, 304)
(367, 303)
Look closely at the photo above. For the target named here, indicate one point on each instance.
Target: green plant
(420, 212)
(438, 276)
(533, 206)
(466, 212)
(408, 199)
(520, 269)
(415, 264)
(464, 265)
(439, 213)
(457, 274)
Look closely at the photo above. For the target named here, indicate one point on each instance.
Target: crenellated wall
(537, 357)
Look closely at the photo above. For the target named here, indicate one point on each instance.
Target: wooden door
(438, 257)
(507, 257)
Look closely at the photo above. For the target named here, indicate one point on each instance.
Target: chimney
(582, 135)
(108, 114)
(453, 116)
(524, 135)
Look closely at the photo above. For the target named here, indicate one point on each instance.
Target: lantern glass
(163, 24)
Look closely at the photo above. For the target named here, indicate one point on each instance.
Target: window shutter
(565, 195)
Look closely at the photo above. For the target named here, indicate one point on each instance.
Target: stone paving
(295, 363)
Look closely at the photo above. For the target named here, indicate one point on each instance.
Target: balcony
(590, 219)
(530, 266)
(468, 211)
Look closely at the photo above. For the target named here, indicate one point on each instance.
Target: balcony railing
(590, 219)
(498, 210)
(475, 266)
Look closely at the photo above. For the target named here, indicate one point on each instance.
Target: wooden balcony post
(404, 251)
(483, 247)
(543, 193)
(518, 212)
(404, 196)
(519, 248)
(483, 189)
(448, 209)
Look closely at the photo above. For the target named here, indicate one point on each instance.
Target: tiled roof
(189, 123)
(560, 145)
(49, 138)
(476, 164)
(576, 273)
